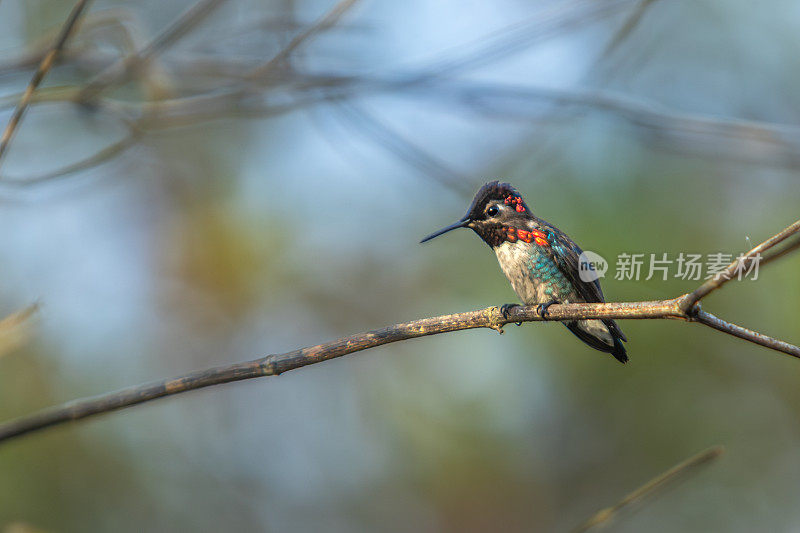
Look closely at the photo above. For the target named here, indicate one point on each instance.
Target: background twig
(47, 63)
(121, 70)
(649, 489)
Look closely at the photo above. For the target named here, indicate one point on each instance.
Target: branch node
(496, 320)
(693, 311)
(268, 366)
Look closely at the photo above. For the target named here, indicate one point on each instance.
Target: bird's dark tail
(603, 335)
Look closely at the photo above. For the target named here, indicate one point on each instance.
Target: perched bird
(542, 263)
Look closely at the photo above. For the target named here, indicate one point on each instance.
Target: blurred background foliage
(234, 212)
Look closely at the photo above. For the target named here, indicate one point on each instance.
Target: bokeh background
(225, 200)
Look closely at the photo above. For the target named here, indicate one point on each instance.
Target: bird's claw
(505, 308)
(541, 309)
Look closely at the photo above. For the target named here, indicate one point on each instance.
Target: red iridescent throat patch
(514, 234)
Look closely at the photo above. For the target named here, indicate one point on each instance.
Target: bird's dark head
(495, 208)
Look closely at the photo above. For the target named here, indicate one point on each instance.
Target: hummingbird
(541, 262)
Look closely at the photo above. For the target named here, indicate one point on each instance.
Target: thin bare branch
(67, 30)
(652, 487)
(506, 101)
(627, 27)
(498, 100)
(747, 334)
(273, 365)
(117, 112)
(740, 263)
(373, 129)
(323, 24)
(103, 155)
(120, 71)
(776, 254)
(517, 37)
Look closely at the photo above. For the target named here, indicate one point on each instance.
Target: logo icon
(591, 266)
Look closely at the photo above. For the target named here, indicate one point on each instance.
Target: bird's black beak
(463, 223)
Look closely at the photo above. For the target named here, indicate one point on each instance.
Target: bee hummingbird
(541, 262)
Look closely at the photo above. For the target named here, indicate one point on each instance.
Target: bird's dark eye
(492, 211)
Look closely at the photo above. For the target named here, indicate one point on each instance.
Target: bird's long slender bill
(460, 224)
